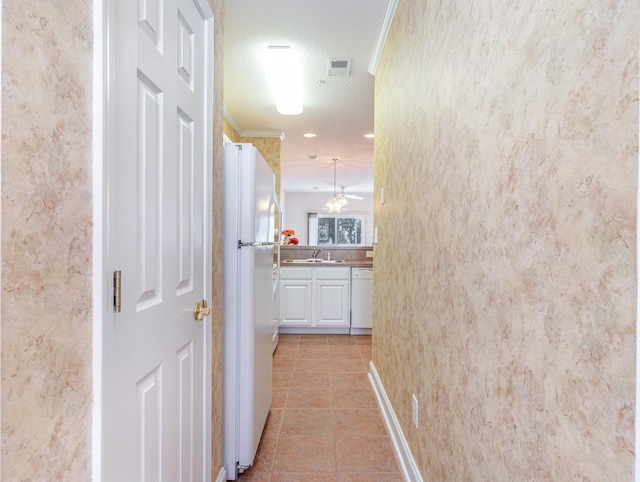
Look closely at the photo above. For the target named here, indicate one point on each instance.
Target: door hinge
(117, 291)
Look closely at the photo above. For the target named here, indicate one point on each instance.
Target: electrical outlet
(414, 409)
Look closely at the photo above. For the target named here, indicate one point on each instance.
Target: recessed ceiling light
(309, 134)
(369, 136)
(312, 157)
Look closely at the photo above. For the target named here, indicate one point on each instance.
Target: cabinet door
(332, 303)
(295, 302)
(276, 319)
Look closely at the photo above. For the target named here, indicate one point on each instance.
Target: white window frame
(312, 224)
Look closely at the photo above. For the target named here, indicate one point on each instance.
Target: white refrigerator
(250, 240)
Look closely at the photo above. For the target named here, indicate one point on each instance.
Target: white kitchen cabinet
(295, 297)
(315, 299)
(331, 292)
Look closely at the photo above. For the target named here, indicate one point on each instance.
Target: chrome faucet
(316, 252)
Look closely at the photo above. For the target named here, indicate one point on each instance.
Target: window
(335, 229)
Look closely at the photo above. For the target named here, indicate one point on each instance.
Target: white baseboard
(360, 331)
(407, 464)
(222, 475)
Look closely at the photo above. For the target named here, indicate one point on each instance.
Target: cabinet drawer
(333, 273)
(296, 273)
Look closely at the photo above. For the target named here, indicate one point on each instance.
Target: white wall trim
(279, 134)
(230, 119)
(101, 17)
(406, 462)
(207, 372)
(204, 8)
(222, 475)
(382, 36)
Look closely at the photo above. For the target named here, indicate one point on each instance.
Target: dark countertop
(357, 263)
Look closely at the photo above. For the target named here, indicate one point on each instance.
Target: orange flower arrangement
(286, 237)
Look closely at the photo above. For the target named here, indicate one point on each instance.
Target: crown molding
(382, 36)
(279, 134)
(230, 119)
(241, 133)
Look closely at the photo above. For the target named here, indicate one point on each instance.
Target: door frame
(103, 175)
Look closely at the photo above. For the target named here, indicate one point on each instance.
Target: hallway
(324, 424)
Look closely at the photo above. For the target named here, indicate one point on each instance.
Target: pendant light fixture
(335, 205)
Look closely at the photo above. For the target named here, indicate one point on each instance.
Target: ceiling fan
(343, 195)
(338, 203)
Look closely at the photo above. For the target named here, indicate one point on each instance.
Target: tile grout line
(337, 370)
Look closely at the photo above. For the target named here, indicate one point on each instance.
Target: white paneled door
(156, 355)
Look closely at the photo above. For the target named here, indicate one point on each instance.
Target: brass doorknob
(200, 310)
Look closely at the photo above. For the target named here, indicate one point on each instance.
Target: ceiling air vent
(339, 67)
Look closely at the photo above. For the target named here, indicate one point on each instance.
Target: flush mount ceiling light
(335, 204)
(309, 134)
(283, 69)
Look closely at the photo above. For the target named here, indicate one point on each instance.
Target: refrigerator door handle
(255, 244)
(276, 282)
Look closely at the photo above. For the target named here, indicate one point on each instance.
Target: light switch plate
(381, 195)
(369, 254)
(414, 409)
(375, 235)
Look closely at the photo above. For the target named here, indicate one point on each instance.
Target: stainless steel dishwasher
(361, 301)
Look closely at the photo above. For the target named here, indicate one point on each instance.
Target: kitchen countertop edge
(351, 263)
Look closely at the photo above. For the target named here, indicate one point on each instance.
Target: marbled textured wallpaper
(47, 233)
(216, 310)
(230, 131)
(505, 281)
(46, 240)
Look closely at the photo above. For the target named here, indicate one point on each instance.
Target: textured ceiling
(338, 109)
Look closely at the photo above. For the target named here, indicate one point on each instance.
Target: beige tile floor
(324, 424)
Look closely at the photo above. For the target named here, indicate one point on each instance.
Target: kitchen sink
(313, 260)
